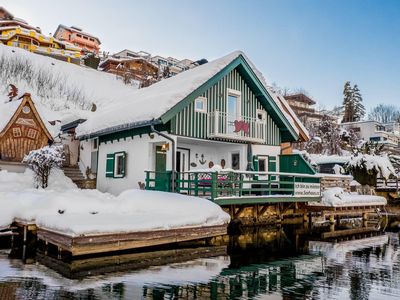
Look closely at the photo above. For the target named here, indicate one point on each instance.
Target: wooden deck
(105, 243)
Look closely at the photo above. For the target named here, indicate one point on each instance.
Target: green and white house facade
(213, 131)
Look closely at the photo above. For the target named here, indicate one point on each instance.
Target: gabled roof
(121, 60)
(11, 110)
(162, 100)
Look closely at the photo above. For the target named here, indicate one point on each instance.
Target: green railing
(213, 185)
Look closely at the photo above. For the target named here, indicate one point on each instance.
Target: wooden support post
(332, 219)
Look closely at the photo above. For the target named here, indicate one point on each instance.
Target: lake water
(285, 263)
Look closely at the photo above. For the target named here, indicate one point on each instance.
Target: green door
(161, 178)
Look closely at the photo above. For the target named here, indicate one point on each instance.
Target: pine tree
(348, 102)
(354, 110)
(359, 109)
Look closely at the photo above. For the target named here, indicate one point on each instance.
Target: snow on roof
(72, 81)
(8, 108)
(152, 102)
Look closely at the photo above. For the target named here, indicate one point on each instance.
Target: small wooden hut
(21, 129)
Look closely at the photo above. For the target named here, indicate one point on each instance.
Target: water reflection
(284, 263)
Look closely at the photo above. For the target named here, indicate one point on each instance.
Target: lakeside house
(217, 115)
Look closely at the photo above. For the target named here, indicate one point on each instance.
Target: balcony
(239, 187)
(222, 126)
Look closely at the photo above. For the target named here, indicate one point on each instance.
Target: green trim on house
(118, 135)
(263, 200)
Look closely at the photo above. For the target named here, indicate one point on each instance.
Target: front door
(182, 165)
(161, 177)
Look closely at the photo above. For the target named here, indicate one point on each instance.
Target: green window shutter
(255, 162)
(272, 163)
(110, 165)
(272, 166)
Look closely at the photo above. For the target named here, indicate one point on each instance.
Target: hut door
(161, 177)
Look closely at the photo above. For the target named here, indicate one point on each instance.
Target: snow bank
(63, 207)
(336, 197)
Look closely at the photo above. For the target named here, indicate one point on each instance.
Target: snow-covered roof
(8, 109)
(124, 59)
(152, 102)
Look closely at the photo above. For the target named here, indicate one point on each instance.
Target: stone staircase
(75, 174)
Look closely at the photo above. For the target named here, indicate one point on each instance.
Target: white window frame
(238, 94)
(263, 113)
(265, 158)
(116, 156)
(204, 100)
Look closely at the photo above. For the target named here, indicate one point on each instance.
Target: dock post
(365, 219)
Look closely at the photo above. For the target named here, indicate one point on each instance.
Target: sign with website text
(307, 189)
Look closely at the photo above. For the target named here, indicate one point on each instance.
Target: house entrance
(161, 177)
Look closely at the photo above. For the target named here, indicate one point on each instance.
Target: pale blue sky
(312, 44)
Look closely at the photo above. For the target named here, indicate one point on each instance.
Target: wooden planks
(103, 243)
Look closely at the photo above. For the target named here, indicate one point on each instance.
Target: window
(32, 133)
(262, 164)
(235, 161)
(17, 132)
(115, 165)
(261, 115)
(95, 143)
(26, 110)
(233, 109)
(201, 105)
(119, 164)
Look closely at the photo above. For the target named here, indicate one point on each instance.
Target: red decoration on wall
(241, 126)
(13, 92)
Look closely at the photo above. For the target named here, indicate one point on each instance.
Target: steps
(75, 174)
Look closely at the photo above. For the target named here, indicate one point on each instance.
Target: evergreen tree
(354, 110)
(348, 102)
(359, 109)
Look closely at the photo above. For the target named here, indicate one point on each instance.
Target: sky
(315, 45)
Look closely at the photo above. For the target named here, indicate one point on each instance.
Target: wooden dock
(111, 242)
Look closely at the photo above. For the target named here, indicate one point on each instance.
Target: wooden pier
(111, 242)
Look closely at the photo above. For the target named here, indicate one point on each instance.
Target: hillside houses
(87, 42)
(18, 33)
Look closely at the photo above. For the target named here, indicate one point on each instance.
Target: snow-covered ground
(60, 90)
(65, 208)
(337, 197)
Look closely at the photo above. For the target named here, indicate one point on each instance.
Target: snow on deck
(65, 208)
(336, 197)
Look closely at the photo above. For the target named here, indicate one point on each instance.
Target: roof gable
(163, 99)
(26, 100)
(246, 71)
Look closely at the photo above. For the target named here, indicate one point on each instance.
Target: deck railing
(220, 126)
(215, 185)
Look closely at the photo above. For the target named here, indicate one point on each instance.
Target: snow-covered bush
(41, 161)
(366, 168)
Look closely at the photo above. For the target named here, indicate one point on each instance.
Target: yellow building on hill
(18, 33)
